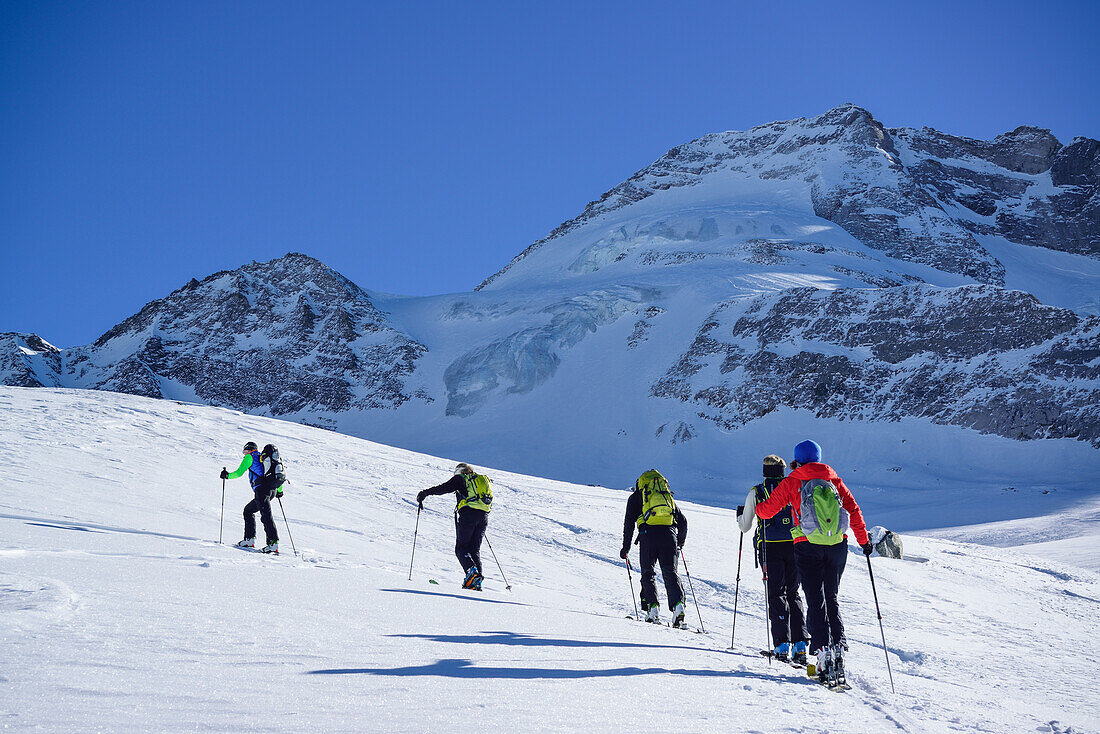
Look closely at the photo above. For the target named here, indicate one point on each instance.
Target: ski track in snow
(119, 611)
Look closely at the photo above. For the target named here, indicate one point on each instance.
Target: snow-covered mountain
(286, 337)
(120, 612)
(825, 277)
(918, 196)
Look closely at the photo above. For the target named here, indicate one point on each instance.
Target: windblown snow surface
(120, 611)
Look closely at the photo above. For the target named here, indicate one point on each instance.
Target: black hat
(250, 447)
(774, 466)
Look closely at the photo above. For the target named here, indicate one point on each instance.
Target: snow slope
(119, 611)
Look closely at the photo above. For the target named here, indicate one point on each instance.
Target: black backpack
(274, 474)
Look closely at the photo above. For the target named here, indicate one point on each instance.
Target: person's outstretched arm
(454, 484)
(245, 463)
(780, 497)
(748, 515)
(633, 509)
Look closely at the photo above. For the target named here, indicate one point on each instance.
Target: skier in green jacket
(264, 490)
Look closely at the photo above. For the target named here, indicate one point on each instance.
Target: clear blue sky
(417, 147)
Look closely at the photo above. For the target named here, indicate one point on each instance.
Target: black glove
(868, 549)
(740, 510)
(278, 494)
(225, 473)
(420, 498)
(624, 552)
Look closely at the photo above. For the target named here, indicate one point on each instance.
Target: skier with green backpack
(662, 531)
(474, 499)
(824, 510)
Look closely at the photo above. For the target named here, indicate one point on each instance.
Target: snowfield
(119, 610)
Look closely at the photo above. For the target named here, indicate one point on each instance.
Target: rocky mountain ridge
(975, 356)
(287, 337)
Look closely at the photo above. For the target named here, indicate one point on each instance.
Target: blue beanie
(807, 452)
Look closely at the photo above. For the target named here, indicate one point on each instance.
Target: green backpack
(479, 493)
(824, 519)
(658, 507)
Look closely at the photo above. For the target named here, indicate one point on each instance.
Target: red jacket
(789, 493)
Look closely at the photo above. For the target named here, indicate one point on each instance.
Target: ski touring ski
(254, 550)
(788, 661)
(669, 625)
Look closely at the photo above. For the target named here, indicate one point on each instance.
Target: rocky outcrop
(28, 360)
(977, 356)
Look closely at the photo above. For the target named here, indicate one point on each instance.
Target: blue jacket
(777, 529)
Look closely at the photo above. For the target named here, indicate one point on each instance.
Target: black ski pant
(659, 545)
(784, 604)
(821, 567)
(470, 527)
(261, 503)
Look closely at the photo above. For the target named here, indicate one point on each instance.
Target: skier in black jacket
(474, 493)
(662, 531)
(775, 554)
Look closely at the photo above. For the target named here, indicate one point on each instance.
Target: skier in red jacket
(820, 545)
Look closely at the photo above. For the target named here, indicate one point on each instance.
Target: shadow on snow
(524, 640)
(465, 597)
(454, 668)
(87, 527)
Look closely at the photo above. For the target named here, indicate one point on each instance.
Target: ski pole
(764, 570)
(287, 527)
(506, 584)
(221, 522)
(737, 588)
(630, 576)
(416, 529)
(692, 587)
(880, 629)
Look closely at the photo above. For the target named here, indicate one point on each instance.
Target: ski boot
(782, 652)
(473, 576)
(838, 665)
(824, 668)
(272, 548)
(798, 653)
(653, 613)
(678, 615)
(247, 543)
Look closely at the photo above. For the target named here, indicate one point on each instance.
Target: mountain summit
(918, 196)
